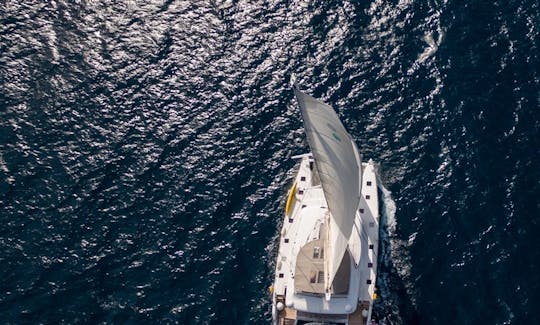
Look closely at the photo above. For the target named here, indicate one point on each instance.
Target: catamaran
(327, 258)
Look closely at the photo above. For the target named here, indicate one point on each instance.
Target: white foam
(3, 166)
(389, 206)
(433, 45)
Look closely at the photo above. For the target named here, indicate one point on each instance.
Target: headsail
(338, 163)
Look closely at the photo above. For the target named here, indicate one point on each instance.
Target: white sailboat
(327, 259)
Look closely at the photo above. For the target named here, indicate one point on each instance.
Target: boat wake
(394, 263)
(388, 208)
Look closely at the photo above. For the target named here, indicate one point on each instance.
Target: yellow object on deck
(374, 296)
(290, 198)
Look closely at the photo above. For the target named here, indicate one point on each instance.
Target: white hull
(295, 296)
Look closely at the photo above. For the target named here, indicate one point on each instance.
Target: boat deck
(364, 249)
(357, 318)
(288, 315)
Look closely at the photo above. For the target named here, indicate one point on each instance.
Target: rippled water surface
(145, 152)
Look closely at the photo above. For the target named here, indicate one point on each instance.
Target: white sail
(338, 163)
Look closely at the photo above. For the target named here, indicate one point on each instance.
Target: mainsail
(337, 160)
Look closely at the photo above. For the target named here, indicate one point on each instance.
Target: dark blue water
(145, 153)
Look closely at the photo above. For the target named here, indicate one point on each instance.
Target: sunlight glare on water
(145, 153)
